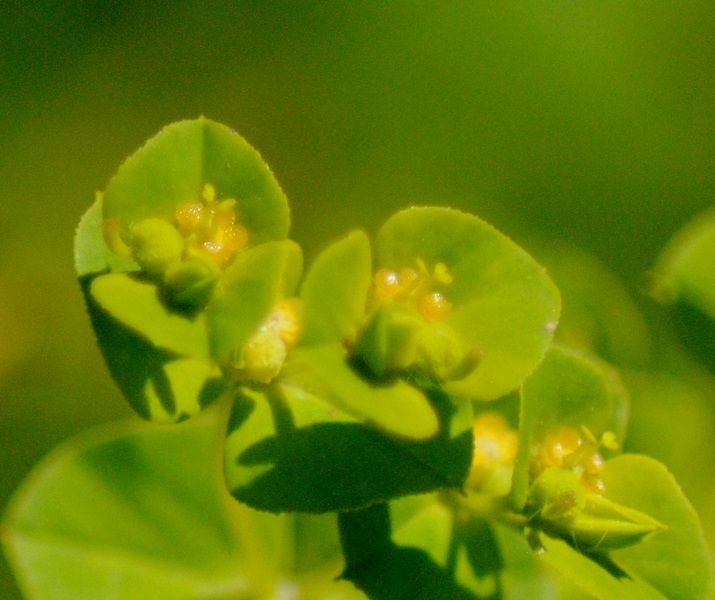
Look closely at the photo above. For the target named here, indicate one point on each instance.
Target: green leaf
(685, 277)
(504, 304)
(598, 315)
(136, 304)
(158, 358)
(250, 288)
(463, 545)
(174, 165)
(593, 577)
(685, 269)
(568, 389)
(161, 385)
(142, 512)
(335, 290)
(334, 297)
(385, 570)
(396, 408)
(293, 268)
(429, 550)
(674, 561)
(124, 513)
(289, 450)
(146, 337)
(484, 557)
(560, 506)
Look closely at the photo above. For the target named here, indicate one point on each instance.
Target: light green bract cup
(487, 310)
(192, 225)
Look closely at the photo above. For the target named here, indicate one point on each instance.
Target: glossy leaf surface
(135, 304)
(398, 408)
(161, 385)
(674, 561)
(385, 570)
(91, 254)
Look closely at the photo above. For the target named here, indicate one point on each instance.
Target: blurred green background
(586, 123)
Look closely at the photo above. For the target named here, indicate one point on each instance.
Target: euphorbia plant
(409, 387)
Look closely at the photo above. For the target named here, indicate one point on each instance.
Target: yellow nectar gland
(577, 451)
(209, 226)
(415, 286)
(285, 321)
(495, 444)
(263, 355)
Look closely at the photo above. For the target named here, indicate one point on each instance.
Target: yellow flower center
(209, 226)
(495, 445)
(263, 355)
(415, 286)
(578, 451)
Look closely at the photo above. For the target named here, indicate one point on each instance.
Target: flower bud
(561, 507)
(606, 525)
(262, 357)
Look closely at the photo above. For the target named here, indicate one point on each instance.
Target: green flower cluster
(357, 382)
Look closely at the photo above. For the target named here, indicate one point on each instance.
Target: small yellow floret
(156, 245)
(225, 243)
(557, 447)
(262, 356)
(285, 319)
(495, 443)
(577, 452)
